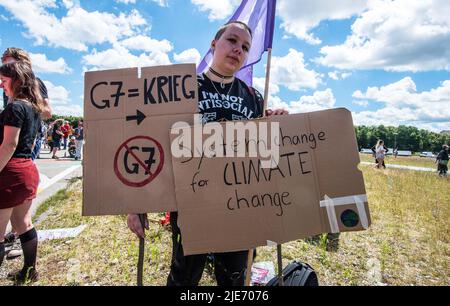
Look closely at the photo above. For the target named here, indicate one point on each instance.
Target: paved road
(404, 167)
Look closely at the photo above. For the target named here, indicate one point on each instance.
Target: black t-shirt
(55, 135)
(20, 114)
(236, 101)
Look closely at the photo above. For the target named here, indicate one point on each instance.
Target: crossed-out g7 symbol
(136, 153)
(149, 162)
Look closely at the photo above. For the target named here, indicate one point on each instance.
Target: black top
(443, 155)
(20, 114)
(239, 102)
(42, 88)
(55, 135)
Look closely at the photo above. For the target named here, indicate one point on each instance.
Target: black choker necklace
(223, 77)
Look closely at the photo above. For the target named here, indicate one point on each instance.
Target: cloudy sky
(388, 61)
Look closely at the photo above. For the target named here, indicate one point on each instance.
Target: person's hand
(134, 224)
(276, 112)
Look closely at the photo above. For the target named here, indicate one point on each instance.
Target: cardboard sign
(228, 204)
(127, 166)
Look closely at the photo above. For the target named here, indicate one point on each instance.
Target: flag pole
(266, 87)
(266, 97)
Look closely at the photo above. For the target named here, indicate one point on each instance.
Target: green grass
(408, 242)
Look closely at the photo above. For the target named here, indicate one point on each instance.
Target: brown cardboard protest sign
(227, 204)
(127, 166)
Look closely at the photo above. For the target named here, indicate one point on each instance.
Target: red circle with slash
(151, 176)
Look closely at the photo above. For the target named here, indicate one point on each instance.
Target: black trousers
(229, 268)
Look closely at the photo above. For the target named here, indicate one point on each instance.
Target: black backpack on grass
(294, 274)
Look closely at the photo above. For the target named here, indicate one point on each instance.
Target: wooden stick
(280, 266)
(266, 88)
(140, 265)
(249, 267)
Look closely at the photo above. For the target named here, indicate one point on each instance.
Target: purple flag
(259, 15)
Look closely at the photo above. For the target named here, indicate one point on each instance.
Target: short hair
(225, 26)
(17, 54)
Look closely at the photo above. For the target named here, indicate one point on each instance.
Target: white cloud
(60, 101)
(44, 65)
(299, 17)
(319, 100)
(401, 35)
(68, 110)
(404, 105)
(260, 83)
(163, 3)
(57, 94)
(336, 75)
(363, 103)
(68, 3)
(120, 57)
(333, 75)
(188, 56)
(77, 29)
(218, 10)
(145, 43)
(290, 71)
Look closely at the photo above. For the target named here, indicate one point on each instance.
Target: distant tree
(73, 120)
(404, 137)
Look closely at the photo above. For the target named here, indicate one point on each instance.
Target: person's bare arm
(47, 110)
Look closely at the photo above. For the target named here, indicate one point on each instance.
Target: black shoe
(24, 276)
(10, 238)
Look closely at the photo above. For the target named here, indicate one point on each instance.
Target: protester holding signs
(222, 97)
(19, 177)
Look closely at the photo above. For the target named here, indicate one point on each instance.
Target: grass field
(415, 161)
(408, 242)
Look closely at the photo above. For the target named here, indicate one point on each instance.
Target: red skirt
(19, 181)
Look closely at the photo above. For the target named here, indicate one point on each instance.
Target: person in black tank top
(19, 177)
(222, 97)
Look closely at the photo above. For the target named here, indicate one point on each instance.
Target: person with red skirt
(19, 177)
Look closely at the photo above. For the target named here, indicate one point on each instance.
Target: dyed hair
(225, 26)
(17, 54)
(23, 83)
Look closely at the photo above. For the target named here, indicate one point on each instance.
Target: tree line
(403, 137)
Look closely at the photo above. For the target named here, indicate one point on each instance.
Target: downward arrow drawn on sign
(139, 117)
